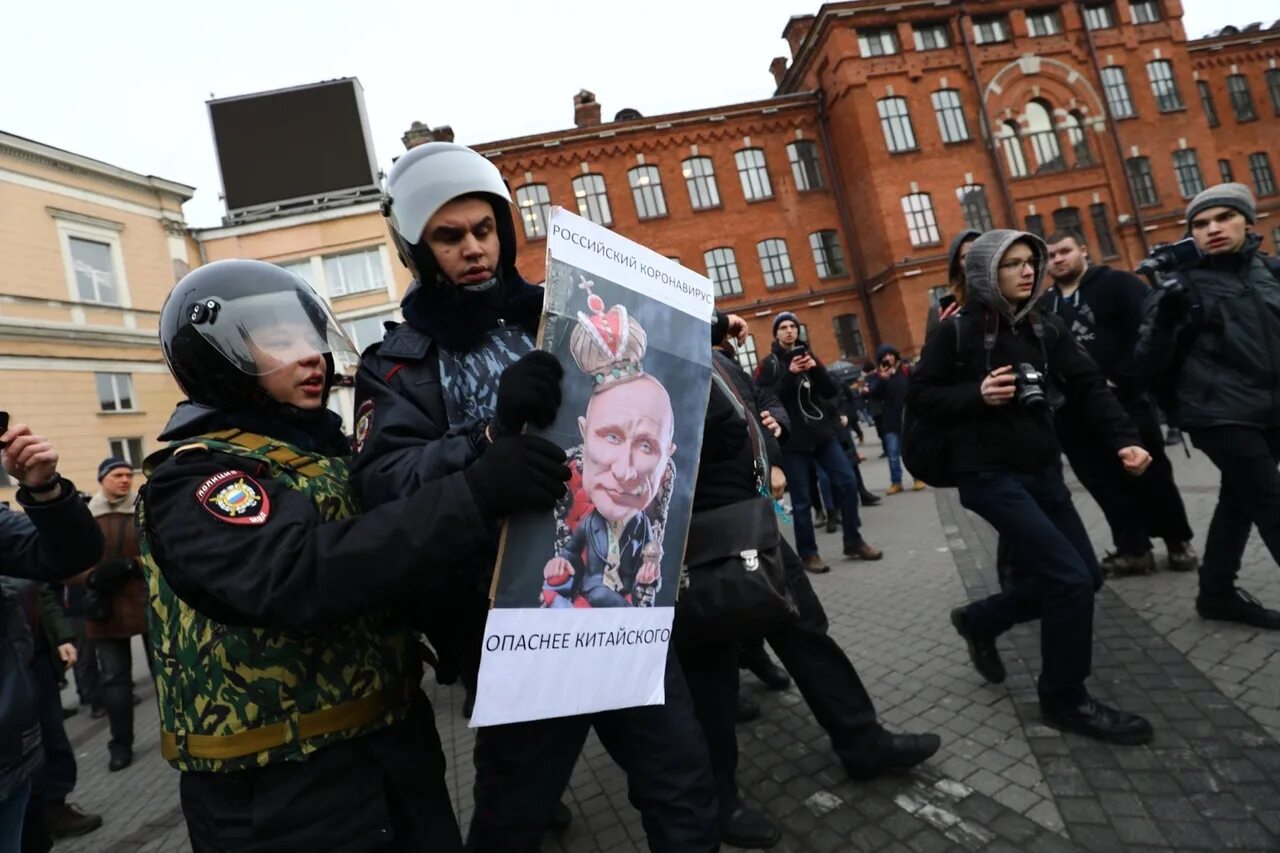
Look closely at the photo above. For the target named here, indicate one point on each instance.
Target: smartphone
(798, 351)
(4, 426)
(946, 301)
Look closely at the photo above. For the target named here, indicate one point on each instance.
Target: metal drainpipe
(1113, 132)
(846, 220)
(1005, 192)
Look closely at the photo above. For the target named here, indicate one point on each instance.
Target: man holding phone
(889, 385)
(800, 381)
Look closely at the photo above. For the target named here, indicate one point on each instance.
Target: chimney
(419, 133)
(796, 30)
(778, 68)
(586, 112)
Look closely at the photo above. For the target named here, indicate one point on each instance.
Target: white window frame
(932, 29)
(878, 41)
(119, 446)
(1044, 22)
(115, 390)
(1151, 11)
(373, 264)
(97, 231)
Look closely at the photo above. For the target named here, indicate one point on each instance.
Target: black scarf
(458, 319)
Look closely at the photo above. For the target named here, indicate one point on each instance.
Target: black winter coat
(946, 389)
(805, 396)
(1231, 370)
(51, 542)
(1104, 314)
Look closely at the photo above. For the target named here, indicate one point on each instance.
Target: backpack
(924, 444)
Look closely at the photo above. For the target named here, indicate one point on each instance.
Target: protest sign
(583, 597)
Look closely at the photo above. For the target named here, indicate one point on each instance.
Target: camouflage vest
(234, 697)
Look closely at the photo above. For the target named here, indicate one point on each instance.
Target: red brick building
(893, 127)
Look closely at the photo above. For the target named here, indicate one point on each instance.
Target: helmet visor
(265, 332)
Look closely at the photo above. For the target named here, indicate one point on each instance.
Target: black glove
(528, 392)
(1172, 307)
(111, 574)
(519, 472)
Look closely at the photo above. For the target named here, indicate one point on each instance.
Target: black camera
(1166, 258)
(1028, 384)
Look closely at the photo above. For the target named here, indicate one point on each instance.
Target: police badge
(234, 497)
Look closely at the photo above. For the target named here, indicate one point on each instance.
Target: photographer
(53, 538)
(797, 378)
(115, 604)
(985, 382)
(1211, 337)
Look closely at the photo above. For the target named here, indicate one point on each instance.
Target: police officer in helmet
(285, 671)
(454, 384)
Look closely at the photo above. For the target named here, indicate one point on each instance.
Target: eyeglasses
(886, 364)
(1018, 265)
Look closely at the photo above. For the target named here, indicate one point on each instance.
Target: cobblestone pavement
(1002, 781)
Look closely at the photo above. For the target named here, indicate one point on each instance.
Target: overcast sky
(127, 82)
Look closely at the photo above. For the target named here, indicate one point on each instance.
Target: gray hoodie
(982, 276)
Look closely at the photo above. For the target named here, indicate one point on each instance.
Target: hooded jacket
(946, 384)
(48, 541)
(1104, 314)
(892, 392)
(1231, 371)
(953, 269)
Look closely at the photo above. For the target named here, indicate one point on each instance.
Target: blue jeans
(1034, 515)
(12, 810)
(824, 490)
(893, 449)
(830, 458)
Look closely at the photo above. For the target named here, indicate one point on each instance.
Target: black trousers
(1249, 495)
(381, 792)
(712, 674)
(56, 778)
(115, 661)
(1034, 514)
(1137, 509)
(523, 768)
(86, 667)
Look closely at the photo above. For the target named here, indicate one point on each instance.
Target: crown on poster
(608, 346)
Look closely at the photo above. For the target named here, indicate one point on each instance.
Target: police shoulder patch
(364, 421)
(234, 497)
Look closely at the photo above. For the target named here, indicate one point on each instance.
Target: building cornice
(14, 328)
(293, 220)
(29, 149)
(617, 132)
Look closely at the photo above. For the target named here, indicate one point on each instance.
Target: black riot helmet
(229, 322)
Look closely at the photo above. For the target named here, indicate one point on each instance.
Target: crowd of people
(289, 696)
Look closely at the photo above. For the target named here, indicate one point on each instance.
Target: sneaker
(814, 564)
(894, 489)
(917, 486)
(863, 551)
(1172, 437)
(982, 653)
(1128, 565)
(66, 820)
(1237, 606)
(1182, 557)
(1100, 722)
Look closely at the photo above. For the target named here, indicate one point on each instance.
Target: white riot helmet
(426, 178)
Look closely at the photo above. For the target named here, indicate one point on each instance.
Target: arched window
(534, 203)
(1044, 138)
(1077, 138)
(646, 190)
(593, 199)
(1011, 145)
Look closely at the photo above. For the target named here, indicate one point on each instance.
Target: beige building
(88, 253)
(343, 252)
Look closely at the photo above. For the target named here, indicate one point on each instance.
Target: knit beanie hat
(110, 464)
(783, 317)
(1236, 196)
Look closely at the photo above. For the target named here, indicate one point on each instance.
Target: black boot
(983, 652)
(869, 499)
(894, 753)
(561, 817)
(1100, 722)
(750, 830)
(121, 757)
(762, 667)
(1236, 605)
(748, 709)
